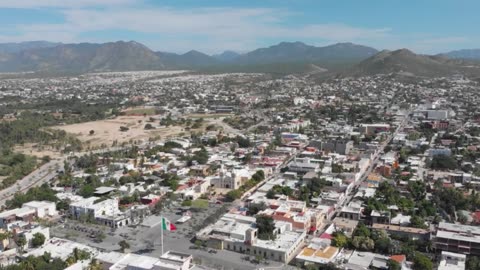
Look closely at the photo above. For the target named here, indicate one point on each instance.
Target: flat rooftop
(59, 248)
(104, 190)
(458, 236)
(38, 204)
(17, 212)
(283, 242)
(452, 261)
(399, 228)
(318, 254)
(444, 226)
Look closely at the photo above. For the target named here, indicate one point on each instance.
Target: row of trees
(237, 193)
(15, 166)
(41, 193)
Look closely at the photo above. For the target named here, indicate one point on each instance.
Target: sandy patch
(32, 149)
(107, 131)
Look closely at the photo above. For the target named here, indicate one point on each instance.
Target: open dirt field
(107, 131)
(39, 152)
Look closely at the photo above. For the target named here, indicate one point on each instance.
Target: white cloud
(206, 29)
(215, 27)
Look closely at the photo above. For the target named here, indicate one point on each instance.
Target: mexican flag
(167, 225)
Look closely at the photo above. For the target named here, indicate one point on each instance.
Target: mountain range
(285, 57)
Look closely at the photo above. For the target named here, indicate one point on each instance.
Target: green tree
(363, 243)
(422, 262)
(443, 162)
(362, 230)
(383, 245)
(393, 265)
(417, 222)
(473, 263)
(243, 142)
(21, 242)
(254, 208)
(232, 195)
(124, 245)
(339, 240)
(266, 227)
(148, 126)
(38, 239)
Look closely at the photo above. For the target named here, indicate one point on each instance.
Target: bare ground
(107, 131)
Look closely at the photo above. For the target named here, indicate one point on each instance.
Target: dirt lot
(107, 131)
(33, 150)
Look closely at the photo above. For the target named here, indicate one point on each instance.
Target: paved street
(41, 175)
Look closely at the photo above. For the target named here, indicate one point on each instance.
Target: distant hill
(345, 59)
(300, 52)
(226, 56)
(21, 46)
(408, 63)
(473, 54)
(83, 57)
(191, 59)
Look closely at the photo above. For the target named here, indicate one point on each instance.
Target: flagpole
(161, 235)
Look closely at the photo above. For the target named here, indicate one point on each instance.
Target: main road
(41, 175)
(45, 173)
(373, 163)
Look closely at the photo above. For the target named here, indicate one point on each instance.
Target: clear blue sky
(424, 26)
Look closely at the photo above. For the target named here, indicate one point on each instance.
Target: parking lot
(147, 240)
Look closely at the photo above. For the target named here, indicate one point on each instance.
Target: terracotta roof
(326, 236)
(399, 258)
(476, 216)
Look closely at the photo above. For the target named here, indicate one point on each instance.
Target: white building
(238, 233)
(170, 260)
(42, 208)
(231, 179)
(452, 261)
(60, 248)
(104, 212)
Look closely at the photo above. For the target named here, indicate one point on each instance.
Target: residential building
(352, 211)
(458, 238)
(303, 166)
(370, 129)
(318, 251)
(105, 212)
(452, 261)
(340, 146)
(410, 232)
(345, 225)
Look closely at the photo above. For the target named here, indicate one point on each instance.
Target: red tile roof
(398, 258)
